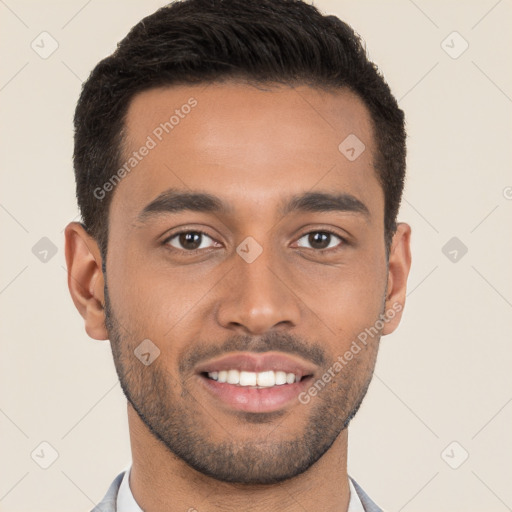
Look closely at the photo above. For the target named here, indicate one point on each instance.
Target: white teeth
(233, 377)
(281, 378)
(247, 379)
(261, 379)
(266, 379)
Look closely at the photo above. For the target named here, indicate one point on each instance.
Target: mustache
(272, 341)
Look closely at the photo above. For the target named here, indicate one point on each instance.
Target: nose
(258, 296)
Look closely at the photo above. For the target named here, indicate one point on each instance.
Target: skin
(253, 148)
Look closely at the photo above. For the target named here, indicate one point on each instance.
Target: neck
(162, 482)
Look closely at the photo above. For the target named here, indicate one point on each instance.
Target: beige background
(444, 376)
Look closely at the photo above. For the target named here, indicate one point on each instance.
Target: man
(239, 170)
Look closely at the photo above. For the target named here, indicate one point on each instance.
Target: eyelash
(343, 241)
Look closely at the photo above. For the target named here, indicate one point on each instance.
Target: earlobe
(85, 279)
(398, 272)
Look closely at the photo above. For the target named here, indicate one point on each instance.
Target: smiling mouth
(257, 392)
(256, 382)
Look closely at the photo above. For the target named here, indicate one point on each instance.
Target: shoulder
(108, 503)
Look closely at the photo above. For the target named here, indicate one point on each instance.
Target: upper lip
(257, 362)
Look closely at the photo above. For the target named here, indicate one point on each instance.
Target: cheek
(349, 297)
(159, 302)
(351, 306)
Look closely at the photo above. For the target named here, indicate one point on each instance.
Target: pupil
(315, 242)
(190, 240)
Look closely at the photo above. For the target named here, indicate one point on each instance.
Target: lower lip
(244, 398)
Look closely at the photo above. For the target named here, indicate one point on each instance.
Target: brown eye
(321, 240)
(188, 240)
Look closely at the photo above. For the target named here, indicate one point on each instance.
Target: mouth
(256, 382)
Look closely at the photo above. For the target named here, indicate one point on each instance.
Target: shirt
(126, 502)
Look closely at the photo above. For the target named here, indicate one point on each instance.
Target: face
(240, 298)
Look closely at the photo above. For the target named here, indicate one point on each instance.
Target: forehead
(250, 145)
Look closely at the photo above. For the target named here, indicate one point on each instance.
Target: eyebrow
(175, 201)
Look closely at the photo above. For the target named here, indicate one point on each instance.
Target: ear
(85, 279)
(398, 271)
